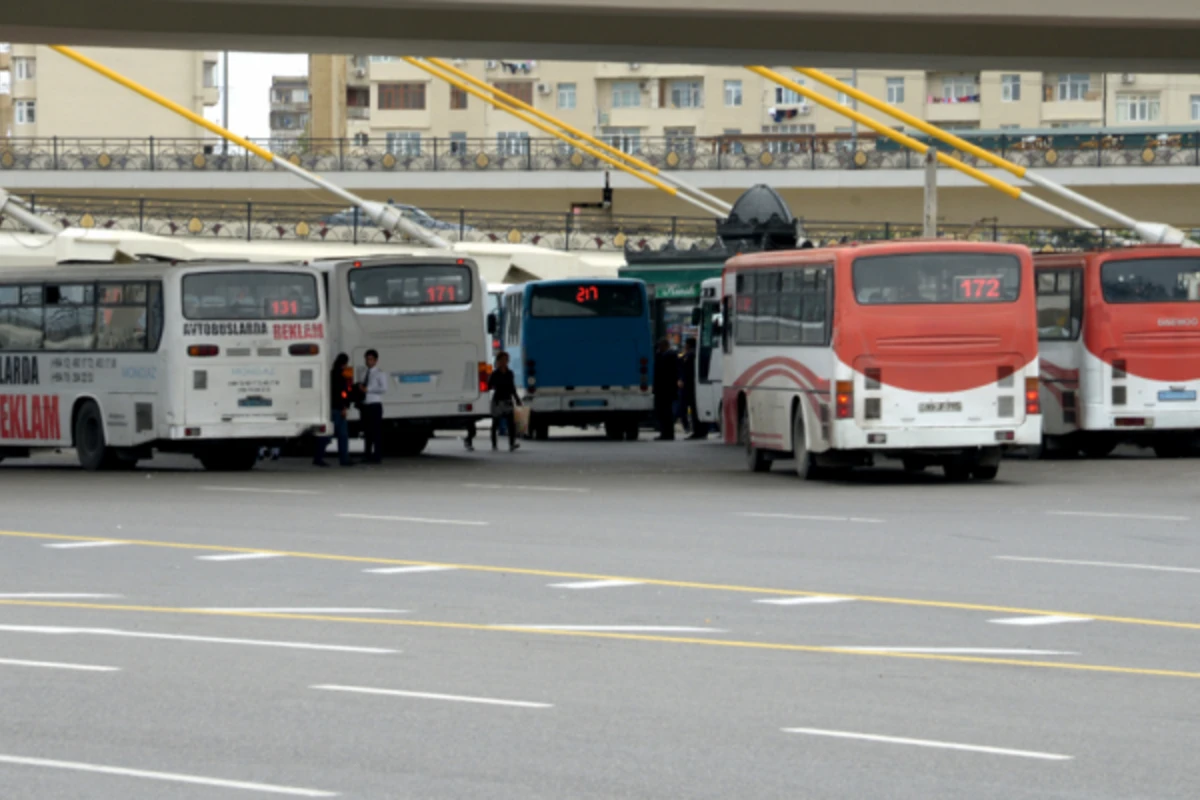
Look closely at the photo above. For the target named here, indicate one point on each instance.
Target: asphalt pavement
(592, 619)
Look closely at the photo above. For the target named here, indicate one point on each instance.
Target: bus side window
(154, 328)
(1059, 304)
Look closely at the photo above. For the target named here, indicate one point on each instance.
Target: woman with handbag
(504, 400)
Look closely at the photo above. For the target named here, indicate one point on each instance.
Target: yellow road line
(546, 573)
(631, 637)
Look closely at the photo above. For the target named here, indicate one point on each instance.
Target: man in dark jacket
(687, 390)
(666, 389)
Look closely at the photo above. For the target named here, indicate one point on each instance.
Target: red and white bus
(924, 351)
(1120, 350)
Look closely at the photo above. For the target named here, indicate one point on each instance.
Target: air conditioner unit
(543, 88)
(635, 66)
(1128, 78)
(493, 64)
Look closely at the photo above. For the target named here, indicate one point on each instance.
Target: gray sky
(250, 90)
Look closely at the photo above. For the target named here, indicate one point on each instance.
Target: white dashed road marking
(594, 584)
(408, 570)
(239, 556)
(1112, 564)
(803, 601)
(77, 545)
(867, 737)
(424, 520)
(1109, 515)
(808, 517)
(491, 701)
(1051, 619)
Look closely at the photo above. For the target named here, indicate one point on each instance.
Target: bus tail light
(1130, 422)
(304, 349)
(485, 372)
(191, 433)
(203, 350)
(845, 399)
(1033, 404)
(1006, 436)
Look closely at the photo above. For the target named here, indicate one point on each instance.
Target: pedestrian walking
(504, 401)
(342, 394)
(666, 389)
(373, 388)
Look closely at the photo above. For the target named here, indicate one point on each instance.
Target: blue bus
(582, 352)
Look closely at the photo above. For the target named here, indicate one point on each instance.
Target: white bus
(709, 355)
(118, 361)
(925, 351)
(426, 317)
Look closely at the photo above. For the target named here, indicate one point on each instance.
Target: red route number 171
(979, 288)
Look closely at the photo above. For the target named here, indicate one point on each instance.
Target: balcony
(953, 112)
(1088, 108)
(357, 113)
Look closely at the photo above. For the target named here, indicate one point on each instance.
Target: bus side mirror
(697, 315)
(492, 324)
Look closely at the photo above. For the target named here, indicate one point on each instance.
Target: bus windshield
(410, 286)
(928, 278)
(587, 300)
(1151, 280)
(250, 295)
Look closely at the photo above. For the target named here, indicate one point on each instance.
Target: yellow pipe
(883, 130)
(916, 122)
(540, 126)
(519, 103)
(162, 101)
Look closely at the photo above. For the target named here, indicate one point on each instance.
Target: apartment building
(44, 94)
(290, 108)
(382, 99)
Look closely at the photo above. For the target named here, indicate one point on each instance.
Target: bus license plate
(1176, 395)
(254, 402)
(414, 378)
(945, 406)
(588, 403)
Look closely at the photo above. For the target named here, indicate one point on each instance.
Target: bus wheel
(1171, 448)
(230, 458)
(986, 472)
(914, 466)
(756, 459)
(958, 470)
(614, 430)
(541, 431)
(409, 444)
(633, 429)
(90, 446)
(805, 468)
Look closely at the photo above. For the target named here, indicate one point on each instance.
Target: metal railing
(765, 152)
(561, 231)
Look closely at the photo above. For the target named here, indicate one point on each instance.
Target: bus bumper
(588, 403)
(1024, 434)
(1105, 418)
(244, 430)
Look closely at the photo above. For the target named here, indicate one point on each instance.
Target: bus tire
(756, 459)
(633, 429)
(230, 458)
(958, 470)
(1098, 446)
(614, 430)
(985, 472)
(541, 431)
(90, 446)
(1171, 448)
(409, 445)
(806, 467)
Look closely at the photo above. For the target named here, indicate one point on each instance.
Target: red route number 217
(587, 293)
(978, 288)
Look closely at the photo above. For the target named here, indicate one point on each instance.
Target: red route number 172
(979, 288)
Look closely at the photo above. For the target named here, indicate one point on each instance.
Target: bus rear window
(410, 286)
(928, 278)
(587, 300)
(1151, 280)
(250, 295)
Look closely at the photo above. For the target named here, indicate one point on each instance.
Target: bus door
(709, 357)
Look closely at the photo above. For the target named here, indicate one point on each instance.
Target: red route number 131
(978, 288)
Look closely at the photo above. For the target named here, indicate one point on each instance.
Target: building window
(681, 140)
(362, 139)
(627, 140)
(778, 146)
(626, 94)
(210, 74)
(458, 143)
(1195, 107)
(512, 143)
(358, 98)
(1074, 85)
(25, 112)
(788, 97)
(458, 99)
(404, 143)
(410, 96)
(895, 90)
(842, 97)
(687, 94)
(1010, 88)
(359, 62)
(736, 147)
(25, 69)
(733, 94)
(960, 88)
(1137, 108)
(382, 59)
(566, 96)
(299, 95)
(522, 90)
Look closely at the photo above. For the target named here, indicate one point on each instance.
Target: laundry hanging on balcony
(780, 114)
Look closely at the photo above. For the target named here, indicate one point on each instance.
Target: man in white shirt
(374, 387)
